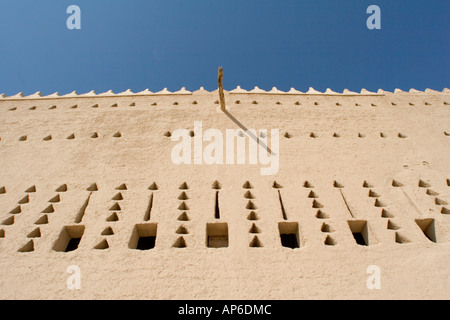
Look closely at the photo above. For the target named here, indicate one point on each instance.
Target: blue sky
(153, 44)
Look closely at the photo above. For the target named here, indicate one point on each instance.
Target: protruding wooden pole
(221, 95)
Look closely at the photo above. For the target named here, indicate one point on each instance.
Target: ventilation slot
(42, 220)
(16, 210)
(143, 237)
(432, 193)
(373, 194)
(122, 187)
(36, 233)
(113, 218)
(153, 187)
(312, 195)
(93, 187)
(255, 243)
(216, 209)
(117, 197)
(423, 184)
(180, 243)
(8, 221)
(55, 199)
(31, 189)
(252, 216)
(360, 232)
(367, 185)
(392, 226)
(182, 230)
(183, 217)
(62, 188)
(317, 205)
(184, 186)
(283, 211)
(397, 184)
(216, 185)
(29, 247)
(250, 205)
(217, 235)
(276, 185)
(148, 212)
(329, 241)
(69, 239)
(254, 229)
(49, 209)
(247, 185)
(249, 195)
(400, 238)
(115, 207)
(82, 211)
(321, 215)
(183, 206)
(308, 185)
(326, 228)
(103, 245)
(337, 185)
(107, 232)
(289, 234)
(379, 204)
(428, 228)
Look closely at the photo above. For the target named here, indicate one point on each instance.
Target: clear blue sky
(153, 44)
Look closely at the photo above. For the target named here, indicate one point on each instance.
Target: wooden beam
(221, 94)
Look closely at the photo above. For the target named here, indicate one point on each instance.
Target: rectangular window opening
(289, 234)
(144, 236)
(360, 232)
(428, 228)
(69, 239)
(217, 235)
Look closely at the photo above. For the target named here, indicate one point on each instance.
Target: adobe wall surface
(93, 162)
